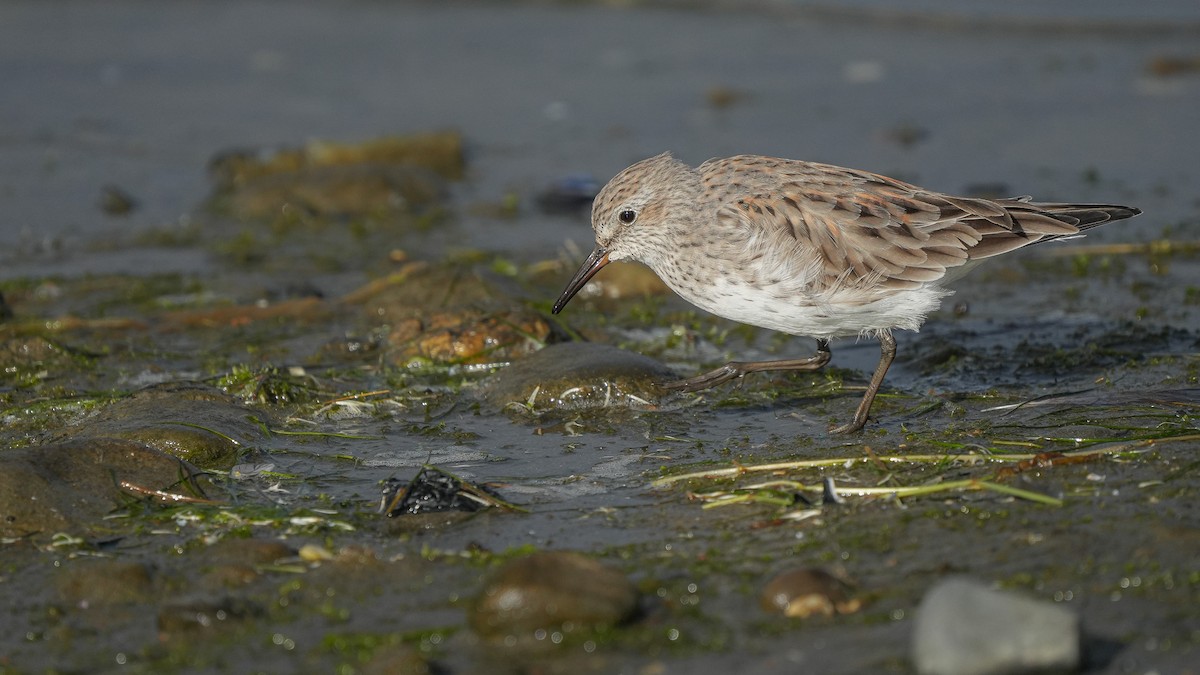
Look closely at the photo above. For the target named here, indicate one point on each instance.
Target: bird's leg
(887, 352)
(736, 369)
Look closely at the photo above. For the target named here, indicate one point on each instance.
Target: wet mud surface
(234, 329)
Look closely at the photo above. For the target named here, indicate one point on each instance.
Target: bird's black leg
(887, 352)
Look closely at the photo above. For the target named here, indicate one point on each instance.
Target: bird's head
(634, 214)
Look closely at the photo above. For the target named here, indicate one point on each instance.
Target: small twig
(163, 496)
(214, 432)
(355, 397)
(741, 469)
(327, 434)
(747, 494)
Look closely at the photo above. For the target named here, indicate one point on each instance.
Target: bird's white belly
(842, 313)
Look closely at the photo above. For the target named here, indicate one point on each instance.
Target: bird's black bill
(595, 261)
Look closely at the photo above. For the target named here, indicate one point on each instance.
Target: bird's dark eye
(627, 216)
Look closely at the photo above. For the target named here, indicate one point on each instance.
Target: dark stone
(70, 486)
(554, 592)
(575, 375)
(89, 583)
(191, 421)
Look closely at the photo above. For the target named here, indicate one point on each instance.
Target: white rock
(965, 628)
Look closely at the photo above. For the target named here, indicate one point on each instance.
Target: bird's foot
(849, 427)
(727, 372)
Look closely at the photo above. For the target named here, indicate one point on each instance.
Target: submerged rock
(91, 583)
(233, 562)
(398, 659)
(191, 421)
(439, 152)
(577, 375)
(965, 628)
(179, 616)
(468, 336)
(549, 594)
(116, 202)
(29, 357)
(393, 174)
(250, 552)
(70, 486)
(450, 314)
(421, 287)
(346, 191)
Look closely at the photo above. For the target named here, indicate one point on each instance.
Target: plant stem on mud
(781, 492)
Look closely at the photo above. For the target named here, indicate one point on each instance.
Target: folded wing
(876, 232)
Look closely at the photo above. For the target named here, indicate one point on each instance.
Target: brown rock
(235, 562)
(419, 288)
(25, 357)
(576, 375)
(88, 583)
(395, 174)
(397, 659)
(70, 486)
(554, 591)
(324, 192)
(232, 551)
(469, 336)
(184, 614)
(440, 152)
(800, 593)
(191, 421)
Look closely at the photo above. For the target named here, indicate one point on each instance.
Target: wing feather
(877, 232)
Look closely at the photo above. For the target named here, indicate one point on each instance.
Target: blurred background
(112, 112)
